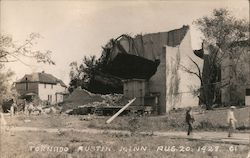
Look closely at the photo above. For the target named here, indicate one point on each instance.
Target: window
(247, 92)
(44, 85)
(26, 86)
(49, 98)
(52, 86)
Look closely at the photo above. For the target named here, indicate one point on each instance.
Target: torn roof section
(139, 57)
(199, 53)
(242, 44)
(148, 46)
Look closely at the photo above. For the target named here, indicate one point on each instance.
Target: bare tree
(11, 52)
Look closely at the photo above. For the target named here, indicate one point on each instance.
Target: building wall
(51, 92)
(157, 83)
(236, 83)
(247, 96)
(29, 87)
(179, 82)
(226, 78)
(171, 81)
(59, 97)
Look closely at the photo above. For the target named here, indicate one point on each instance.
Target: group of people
(231, 120)
(27, 108)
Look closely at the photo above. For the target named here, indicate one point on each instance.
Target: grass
(214, 120)
(47, 121)
(17, 144)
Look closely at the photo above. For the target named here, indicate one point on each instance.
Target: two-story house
(45, 86)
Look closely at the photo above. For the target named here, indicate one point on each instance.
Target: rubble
(80, 97)
(82, 102)
(114, 99)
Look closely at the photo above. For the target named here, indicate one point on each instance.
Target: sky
(74, 29)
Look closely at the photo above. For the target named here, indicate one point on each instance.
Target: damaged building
(226, 78)
(235, 71)
(151, 66)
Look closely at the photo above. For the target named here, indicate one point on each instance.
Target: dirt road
(219, 137)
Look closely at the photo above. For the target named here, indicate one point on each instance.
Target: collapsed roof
(128, 57)
(138, 57)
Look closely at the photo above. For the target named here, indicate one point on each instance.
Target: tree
(221, 32)
(81, 75)
(91, 75)
(223, 29)
(5, 84)
(12, 52)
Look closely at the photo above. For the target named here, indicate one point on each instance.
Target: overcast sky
(73, 29)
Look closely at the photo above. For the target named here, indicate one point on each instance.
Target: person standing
(30, 107)
(3, 121)
(15, 107)
(231, 121)
(189, 120)
(12, 109)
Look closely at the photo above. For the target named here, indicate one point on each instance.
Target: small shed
(135, 88)
(139, 89)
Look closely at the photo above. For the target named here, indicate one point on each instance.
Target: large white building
(45, 86)
(154, 68)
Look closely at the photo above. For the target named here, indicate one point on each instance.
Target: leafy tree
(91, 75)
(222, 34)
(5, 90)
(222, 31)
(81, 75)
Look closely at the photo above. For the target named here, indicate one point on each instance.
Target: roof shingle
(41, 77)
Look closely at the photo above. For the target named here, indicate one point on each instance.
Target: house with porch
(46, 86)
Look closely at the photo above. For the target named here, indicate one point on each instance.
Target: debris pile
(82, 102)
(80, 97)
(115, 99)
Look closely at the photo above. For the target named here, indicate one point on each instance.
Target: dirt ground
(214, 120)
(36, 144)
(83, 145)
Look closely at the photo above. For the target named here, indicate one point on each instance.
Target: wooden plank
(120, 111)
